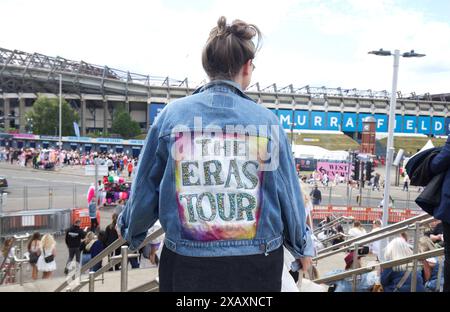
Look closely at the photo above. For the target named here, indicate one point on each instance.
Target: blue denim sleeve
(297, 235)
(441, 162)
(141, 210)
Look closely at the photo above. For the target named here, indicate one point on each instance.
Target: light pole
(390, 141)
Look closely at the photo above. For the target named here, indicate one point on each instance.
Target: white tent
(428, 145)
(317, 152)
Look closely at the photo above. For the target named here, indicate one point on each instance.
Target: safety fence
(365, 214)
(343, 195)
(43, 197)
(54, 221)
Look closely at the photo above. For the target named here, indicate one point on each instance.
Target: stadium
(95, 92)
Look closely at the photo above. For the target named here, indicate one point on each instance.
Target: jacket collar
(234, 86)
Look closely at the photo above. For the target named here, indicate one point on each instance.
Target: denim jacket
(217, 192)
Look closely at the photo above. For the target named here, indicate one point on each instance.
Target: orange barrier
(362, 213)
(82, 214)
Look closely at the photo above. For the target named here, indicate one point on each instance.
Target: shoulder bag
(48, 259)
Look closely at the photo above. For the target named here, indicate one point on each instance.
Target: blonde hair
(48, 242)
(6, 246)
(89, 237)
(305, 193)
(398, 248)
(426, 244)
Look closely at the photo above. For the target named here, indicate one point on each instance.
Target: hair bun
(242, 30)
(222, 25)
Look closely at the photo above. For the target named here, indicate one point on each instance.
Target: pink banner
(332, 169)
(25, 136)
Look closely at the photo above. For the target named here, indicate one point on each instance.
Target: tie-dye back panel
(218, 185)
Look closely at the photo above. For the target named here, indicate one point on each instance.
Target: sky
(305, 42)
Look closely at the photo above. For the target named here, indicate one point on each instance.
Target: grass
(332, 142)
(412, 144)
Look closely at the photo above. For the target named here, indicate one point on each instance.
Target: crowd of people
(429, 277)
(119, 163)
(41, 250)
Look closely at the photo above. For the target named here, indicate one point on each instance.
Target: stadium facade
(96, 91)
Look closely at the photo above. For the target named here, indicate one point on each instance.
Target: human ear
(247, 68)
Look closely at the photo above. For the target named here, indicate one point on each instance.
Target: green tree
(45, 115)
(123, 125)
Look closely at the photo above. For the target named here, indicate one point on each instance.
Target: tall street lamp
(390, 141)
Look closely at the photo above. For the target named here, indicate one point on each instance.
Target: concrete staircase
(136, 277)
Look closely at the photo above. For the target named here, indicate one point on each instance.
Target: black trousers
(74, 252)
(255, 273)
(446, 227)
(94, 225)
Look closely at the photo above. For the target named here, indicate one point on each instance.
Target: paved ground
(67, 187)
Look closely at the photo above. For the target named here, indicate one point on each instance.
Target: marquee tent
(316, 152)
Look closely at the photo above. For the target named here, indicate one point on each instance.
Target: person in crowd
(93, 215)
(365, 282)
(119, 207)
(325, 179)
(441, 164)
(111, 236)
(308, 204)
(357, 230)
(130, 168)
(8, 251)
(432, 267)
(436, 233)
(74, 235)
(208, 248)
(398, 278)
(316, 196)
(375, 247)
(97, 247)
(376, 182)
(151, 253)
(406, 182)
(101, 193)
(85, 247)
(34, 250)
(46, 262)
(338, 229)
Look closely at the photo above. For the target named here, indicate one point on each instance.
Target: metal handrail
(116, 244)
(377, 235)
(385, 229)
(102, 270)
(383, 265)
(337, 235)
(331, 223)
(6, 258)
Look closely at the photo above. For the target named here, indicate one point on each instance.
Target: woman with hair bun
(217, 170)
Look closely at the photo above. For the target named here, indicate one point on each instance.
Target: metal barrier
(51, 220)
(385, 229)
(19, 258)
(58, 196)
(362, 213)
(367, 197)
(330, 224)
